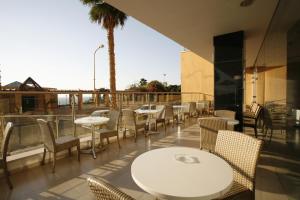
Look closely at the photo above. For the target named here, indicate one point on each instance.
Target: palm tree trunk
(112, 70)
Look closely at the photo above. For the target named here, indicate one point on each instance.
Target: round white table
(150, 113)
(182, 173)
(92, 121)
(231, 122)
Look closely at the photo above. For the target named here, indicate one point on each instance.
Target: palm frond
(104, 14)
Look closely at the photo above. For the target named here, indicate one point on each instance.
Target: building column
(228, 76)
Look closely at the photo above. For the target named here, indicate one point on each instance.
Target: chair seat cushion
(235, 189)
(66, 142)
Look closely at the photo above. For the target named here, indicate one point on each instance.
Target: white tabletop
(231, 121)
(98, 113)
(147, 111)
(182, 173)
(179, 106)
(91, 120)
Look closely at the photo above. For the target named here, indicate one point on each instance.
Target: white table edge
(167, 196)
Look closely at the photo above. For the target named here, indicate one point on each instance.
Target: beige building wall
(248, 93)
(197, 76)
(275, 84)
(271, 86)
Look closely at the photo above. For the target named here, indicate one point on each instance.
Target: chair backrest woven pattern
(161, 113)
(186, 107)
(114, 117)
(105, 191)
(209, 128)
(169, 112)
(128, 117)
(241, 152)
(193, 106)
(47, 134)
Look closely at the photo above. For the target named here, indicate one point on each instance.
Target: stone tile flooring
(278, 172)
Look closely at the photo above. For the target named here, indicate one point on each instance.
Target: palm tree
(109, 18)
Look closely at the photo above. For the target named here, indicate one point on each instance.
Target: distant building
(18, 102)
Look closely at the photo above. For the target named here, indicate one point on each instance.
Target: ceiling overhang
(194, 23)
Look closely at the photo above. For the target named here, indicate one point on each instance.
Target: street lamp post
(100, 46)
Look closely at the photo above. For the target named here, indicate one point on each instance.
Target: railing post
(2, 127)
(73, 113)
(148, 94)
(133, 98)
(57, 126)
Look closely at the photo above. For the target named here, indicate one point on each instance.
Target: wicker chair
(186, 110)
(130, 123)
(56, 145)
(160, 117)
(4, 152)
(241, 152)
(252, 121)
(193, 109)
(112, 128)
(169, 114)
(105, 191)
(209, 128)
(251, 111)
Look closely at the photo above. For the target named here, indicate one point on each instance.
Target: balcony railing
(61, 107)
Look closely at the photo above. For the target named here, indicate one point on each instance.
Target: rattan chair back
(47, 134)
(105, 191)
(162, 112)
(209, 128)
(169, 112)
(193, 106)
(114, 118)
(5, 140)
(241, 152)
(129, 118)
(186, 107)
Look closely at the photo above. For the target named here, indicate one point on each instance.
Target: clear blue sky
(53, 42)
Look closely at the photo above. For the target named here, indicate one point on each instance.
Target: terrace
(277, 173)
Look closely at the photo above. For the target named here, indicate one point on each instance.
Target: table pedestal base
(93, 151)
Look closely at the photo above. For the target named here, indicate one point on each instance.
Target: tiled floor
(278, 174)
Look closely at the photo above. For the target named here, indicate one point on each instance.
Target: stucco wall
(197, 75)
(271, 86)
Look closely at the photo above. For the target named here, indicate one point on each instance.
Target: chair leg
(107, 140)
(135, 135)
(255, 129)
(69, 151)
(118, 140)
(124, 134)
(6, 174)
(44, 155)
(78, 152)
(165, 127)
(271, 136)
(265, 133)
(54, 160)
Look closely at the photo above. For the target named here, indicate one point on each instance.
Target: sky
(53, 42)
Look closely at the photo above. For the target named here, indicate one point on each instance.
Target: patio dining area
(277, 176)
